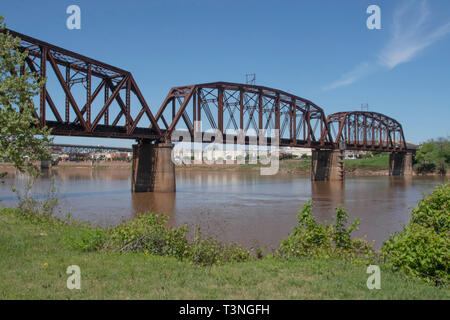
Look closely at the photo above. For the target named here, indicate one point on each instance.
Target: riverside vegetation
(317, 260)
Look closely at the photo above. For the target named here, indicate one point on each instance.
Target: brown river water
(232, 206)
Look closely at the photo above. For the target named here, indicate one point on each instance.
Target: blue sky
(319, 50)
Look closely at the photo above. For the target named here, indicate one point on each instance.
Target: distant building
(295, 151)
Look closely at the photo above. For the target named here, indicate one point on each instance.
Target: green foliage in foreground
(311, 238)
(422, 249)
(433, 156)
(33, 263)
(19, 134)
(147, 233)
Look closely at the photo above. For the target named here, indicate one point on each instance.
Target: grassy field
(380, 162)
(34, 258)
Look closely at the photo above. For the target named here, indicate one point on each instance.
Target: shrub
(422, 248)
(148, 232)
(342, 234)
(209, 251)
(419, 252)
(433, 211)
(311, 238)
(37, 210)
(86, 239)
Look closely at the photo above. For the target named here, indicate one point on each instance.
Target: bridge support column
(46, 164)
(327, 165)
(400, 164)
(153, 169)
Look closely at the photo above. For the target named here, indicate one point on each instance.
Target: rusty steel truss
(116, 108)
(89, 114)
(363, 130)
(250, 109)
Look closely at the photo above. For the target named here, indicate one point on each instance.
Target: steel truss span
(89, 113)
(249, 109)
(96, 99)
(369, 131)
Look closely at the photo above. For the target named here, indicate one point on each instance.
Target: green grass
(26, 249)
(380, 162)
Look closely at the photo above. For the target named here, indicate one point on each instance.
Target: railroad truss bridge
(89, 98)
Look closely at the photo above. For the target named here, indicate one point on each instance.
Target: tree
(20, 135)
(433, 156)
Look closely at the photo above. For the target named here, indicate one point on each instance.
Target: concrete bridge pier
(46, 164)
(400, 164)
(327, 165)
(153, 169)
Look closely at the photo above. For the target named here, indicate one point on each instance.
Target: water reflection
(161, 203)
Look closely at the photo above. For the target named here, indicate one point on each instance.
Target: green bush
(311, 238)
(342, 234)
(209, 251)
(148, 233)
(433, 211)
(86, 239)
(433, 156)
(422, 248)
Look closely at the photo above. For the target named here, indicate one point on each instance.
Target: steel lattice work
(87, 114)
(246, 111)
(362, 130)
(249, 109)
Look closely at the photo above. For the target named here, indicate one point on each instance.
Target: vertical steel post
(128, 105)
(67, 115)
(194, 107)
(199, 104)
(43, 93)
(308, 121)
(294, 121)
(241, 108)
(107, 110)
(260, 115)
(220, 109)
(173, 108)
(277, 112)
(88, 95)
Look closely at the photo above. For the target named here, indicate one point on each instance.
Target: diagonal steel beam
(67, 91)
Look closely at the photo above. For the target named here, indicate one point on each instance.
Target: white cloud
(411, 34)
(348, 78)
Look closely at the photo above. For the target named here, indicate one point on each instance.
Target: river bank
(34, 259)
(376, 166)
